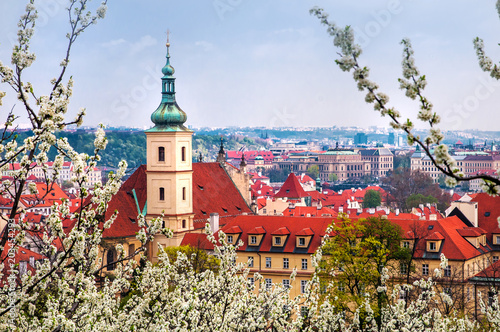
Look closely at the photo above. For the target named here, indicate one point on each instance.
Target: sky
(263, 63)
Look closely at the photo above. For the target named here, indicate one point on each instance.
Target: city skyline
(241, 63)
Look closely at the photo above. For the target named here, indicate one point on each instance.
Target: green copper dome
(168, 70)
(168, 116)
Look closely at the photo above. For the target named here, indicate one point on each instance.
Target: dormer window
(433, 246)
(230, 239)
(255, 236)
(302, 242)
(280, 236)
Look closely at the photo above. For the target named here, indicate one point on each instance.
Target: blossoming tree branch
(413, 83)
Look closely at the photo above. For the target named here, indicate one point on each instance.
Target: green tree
(276, 174)
(332, 177)
(358, 253)
(403, 161)
(414, 200)
(313, 171)
(404, 182)
(372, 199)
(198, 259)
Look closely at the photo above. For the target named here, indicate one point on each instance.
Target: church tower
(169, 165)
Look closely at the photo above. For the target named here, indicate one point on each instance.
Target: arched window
(183, 153)
(110, 257)
(162, 194)
(183, 223)
(161, 153)
(183, 193)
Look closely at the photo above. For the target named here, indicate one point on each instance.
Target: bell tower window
(183, 153)
(161, 153)
(183, 193)
(162, 194)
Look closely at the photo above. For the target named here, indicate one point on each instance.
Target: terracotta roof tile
(233, 230)
(257, 230)
(435, 236)
(305, 232)
(291, 188)
(281, 231)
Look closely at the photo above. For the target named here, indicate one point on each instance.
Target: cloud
(114, 43)
(133, 47)
(143, 43)
(206, 46)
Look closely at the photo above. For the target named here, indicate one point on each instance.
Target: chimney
(397, 212)
(214, 222)
(421, 206)
(341, 209)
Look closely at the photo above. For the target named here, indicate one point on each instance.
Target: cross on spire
(168, 40)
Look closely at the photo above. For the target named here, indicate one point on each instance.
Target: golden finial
(168, 38)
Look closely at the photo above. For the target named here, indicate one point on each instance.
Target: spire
(221, 158)
(243, 163)
(168, 116)
(200, 158)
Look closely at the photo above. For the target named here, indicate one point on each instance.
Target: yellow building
(273, 246)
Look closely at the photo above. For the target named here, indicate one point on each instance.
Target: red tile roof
(234, 230)
(257, 230)
(471, 231)
(215, 192)
(488, 211)
(491, 272)
(197, 240)
(281, 231)
(291, 188)
(22, 255)
(305, 232)
(435, 236)
(312, 211)
(297, 226)
(304, 178)
(455, 246)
